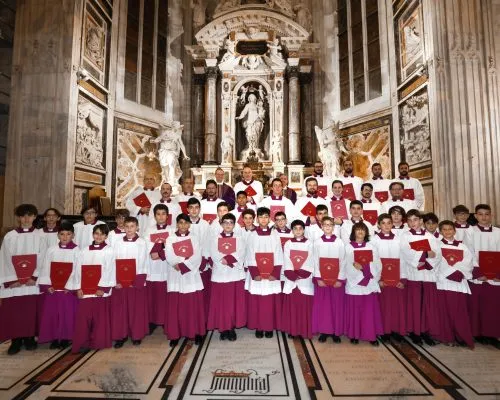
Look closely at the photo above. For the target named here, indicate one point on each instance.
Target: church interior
(92, 92)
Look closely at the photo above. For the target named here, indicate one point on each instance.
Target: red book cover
(322, 191)
(488, 263)
(339, 209)
(59, 274)
(370, 216)
(91, 275)
(184, 248)
(363, 257)
(169, 219)
(125, 271)
(348, 192)
(184, 206)
(227, 245)
(409, 194)
(265, 264)
(275, 209)
(284, 239)
(390, 271)
(240, 221)
(298, 258)
(24, 265)
(329, 270)
(160, 237)
(420, 245)
(250, 191)
(452, 256)
(309, 210)
(142, 201)
(382, 196)
(209, 217)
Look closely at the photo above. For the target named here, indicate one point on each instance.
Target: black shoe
(84, 349)
(290, 336)
(64, 343)
(385, 338)
(198, 339)
(428, 340)
(152, 328)
(374, 343)
(259, 334)
(354, 341)
(119, 343)
(416, 339)
(397, 337)
(224, 335)
(55, 345)
(322, 338)
(174, 343)
(15, 346)
(336, 339)
(231, 335)
(136, 342)
(30, 343)
(269, 334)
(494, 342)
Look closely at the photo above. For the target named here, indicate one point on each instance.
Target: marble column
(464, 103)
(306, 103)
(198, 89)
(293, 116)
(211, 115)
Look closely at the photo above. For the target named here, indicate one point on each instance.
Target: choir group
(347, 258)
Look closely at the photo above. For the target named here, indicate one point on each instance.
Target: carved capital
(292, 72)
(212, 72)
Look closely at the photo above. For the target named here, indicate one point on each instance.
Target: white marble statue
(331, 148)
(225, 5)
(303, 16)
(226, 146)
(276, 147)
(199, 8)
(254, 115)
(171, 145)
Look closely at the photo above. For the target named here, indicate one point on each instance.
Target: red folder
(363, 257)
(160, 237)
(125, 271)
(275, 209)
(142, 201)
(250, 191)
(24, 265)
(489, 263)
(59, 274)
(322, 191)
(265, 264)
(409, 194)
(184, 248)
(184, 206)
(91, 275)
(452, 256)
(390, 271)
(309, 210)
(329, 270)
(348, 192)
(298, 258)
(226, 245)
(382, 196)
(240, 220)
(339, 209)
(370, 216)
(209, 217)
(284, 239)
(420, 245)
(169, 219)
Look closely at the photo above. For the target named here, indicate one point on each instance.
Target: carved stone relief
(79, 199)
(94, 43)
(89, 134)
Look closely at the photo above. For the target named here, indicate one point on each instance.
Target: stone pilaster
(293, 116)
(211, 115)
(198, 105)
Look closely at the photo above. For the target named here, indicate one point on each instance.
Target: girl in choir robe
(298, 291)
(463, 229)
(185, 313)
(118, 233)
(52, 219)
(84, 229)
(485, 291)
(398, 216)
(315, 230)
(59, 306)
(422, 313)
(356, 211)
(156, 267)
(328, 315)
(20, 254)
(129, 302)
(393, 292)
(363, 318)
(454, 270)
(227, 302)
(264, 262)
(92, 321)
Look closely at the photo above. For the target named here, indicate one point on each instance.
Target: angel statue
(254, 115)
(330, 147)
(171, 145)
(276, 145)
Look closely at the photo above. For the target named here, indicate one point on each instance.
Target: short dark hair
(26, 209)
(321, 207)
(66, 226)
(276, 180)
(383, 216)
(361, 226)
(263, 211)
(430, 217)
(241, 193)
(122, 212)
(222, 204)
(337, 181)
(413, 213)
(356, 203)
(279, 214)
(87, 208)
(248, 211)
(311, 178)
(193, 201)
(56, 211)
(482, 206)
(228, 216)
(398, 209)
(403, 163)
(183, 217)
(366, 185)
(101, 227)
(160, 206)
(446, 222)
(460, 208)
(396, 183)
(377, 164)
(210, 181)
(298, 222)
(131, 219)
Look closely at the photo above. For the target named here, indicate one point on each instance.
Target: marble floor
(277, 368)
